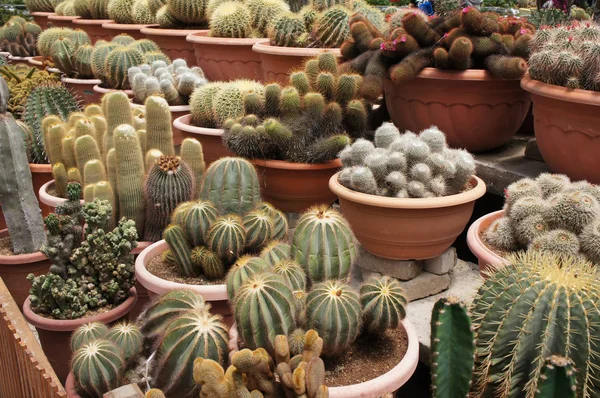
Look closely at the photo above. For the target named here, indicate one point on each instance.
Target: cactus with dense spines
(192, 155)
(264, 12)
(231, 19)
(85, 149)
(158, 126)
(118, 112)
(48, 37)
(292, 273)
(201, 104)
(59, 173)
(128, 336)
(195, 218)
(118, 62)
(188, 12)
(181, 249)
(259, 229)
(99, 56)
(120, 11)
(86, 333)
(383, 304)
(331, 28)
(98, 9)
(141, 12)
(210, 264)
(572, 211)
(226, 237)
(323, 244)
(93, 172)
(277, 318)
(275, 252)
(288, 31)
(244, 268)
(280, 222)
(98, 367)
(556, 241)
(82, 62)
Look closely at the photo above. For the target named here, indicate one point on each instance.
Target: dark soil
(6, 248)
(171, 273)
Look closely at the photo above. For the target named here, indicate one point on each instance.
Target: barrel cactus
(231, 19)
(127, 336)
(195, 218)
(241, 271)
(86, 333)
(227, 237)
(118, 62)
(275, 252)
(98, 367)
(383, 304)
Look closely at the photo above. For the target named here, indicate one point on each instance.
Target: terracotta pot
(215, 294)
(566, 127)
(14, 270)
(41, 174)
(84, 88)
(173, 42)
(41, 18)
(55, 334)
(407, 229)
(62, 21)
(476, 111)
(177, 111)
(277, 62)
(485, 256)
(212, 146)
(101, 91)
(377, 387)
(296, 186)
(94, 29)
(70, 386)
(38, 62)
(142, 293)
(132, 30)
(50, 201)
(224, 58)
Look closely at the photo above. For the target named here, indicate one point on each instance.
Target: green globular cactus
(62, 52)
(188, 12)
(259, 229)
(39, 5)
(99, 56)
(288, 31)
(264, 12)
(210, 264)
(82, 62)
(231, 19)
(383, 304)
(275, 252)
(169, 183)
(232, 185)
(452, 349)
(331, 27)
(292, 273)
(195, 218)
(98, 9)
(158, 126)
(118, 62)
(141, 12)
(191, 335)
(123, 39)
(241, 271)
(128, 337)
(98, 367)
(226, 237)
(120, 11)
(557, 379)
(323, 244)
(280, 222)
(333, 310)
(269, 296)
(181, 249)
(193, 156)
(86, 333)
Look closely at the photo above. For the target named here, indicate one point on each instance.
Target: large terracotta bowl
(133, 30)
(94, 29)
(40, 175)
(62, 21)
(407, 229)
(215, 294)
(41, 18)
(14, 270)
(295, 186)
(485, 256)
(176, 112)
(173, 42)
(224, 58)
(55, 335)
(476, 111)
(277, 62)
(380, 386)
(567, 128)
(212, 145)
(102, 90)
(84, 88)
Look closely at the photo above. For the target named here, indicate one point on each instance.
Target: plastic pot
(212, 145)
(133, 30)
(84, 88)
(485, 256)
(173, 42)
(94, 29)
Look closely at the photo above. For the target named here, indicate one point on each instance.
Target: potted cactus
(439, 69)
(91, 276)
(19, 38)
(208, 235)
(64, 14)
(225, 51)
(130, 17)
(549, 213)
(557, 92)
(40, 10)
(51, 35)
(25, 234)
(407, 196)
(92, 15)
(174, 81)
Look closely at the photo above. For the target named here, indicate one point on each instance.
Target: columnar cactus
(98, 367)
(158, 126)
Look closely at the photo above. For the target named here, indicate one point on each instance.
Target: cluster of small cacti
(567, 56)
(19, 37)
(70, 50)
(21, 80)
(174, 81)
(321, 25)
(549, 214)
(309, 121)
(548, 17)
(406, 165)
(177, 327)
(127, 157)
(207, 236)
(464, 39)
(241, 19)
(91, 268)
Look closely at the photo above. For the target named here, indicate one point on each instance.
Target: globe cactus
(86, 333)
(383, 304)
(128, 337)
(98, 367)
(275, 252)
(241, 271)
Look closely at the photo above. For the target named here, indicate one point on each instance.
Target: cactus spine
(159, 126)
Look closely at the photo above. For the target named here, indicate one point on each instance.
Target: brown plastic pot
(277, 62)
(70, 386)
(62, 21)
(38, 62)
(296, 186)
(133, 30)
(407, 229)
(142, 293)
(55, 334)
(476, 111)
(225, 58)
(102, 90)
(94, 29)
(173, 42)
(567, 128)
(41, 18)
(212, 145)
(14, 270)
(41, 174)
(84, 88)
(176, 112)
(485, 256)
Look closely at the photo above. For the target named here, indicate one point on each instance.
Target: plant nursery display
(19, 37)
(21, 80)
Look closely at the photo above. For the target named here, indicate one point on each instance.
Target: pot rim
(126, 26)
(382, 384)
(476, 245)
(265, 47)
(15, 58)
(204, 38)
(40, 168)
(51, 200)
(161, 286)
(72, 80)
(42, 13)
(172, 108)
(469, 74)
(285, 165)
(158, 31)
(103, 90)
(408, 203)
(561, 93)
(89, 21)
(59, 325)
(17, 259)
(183, 123)
(62, 17)
(36, 60)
